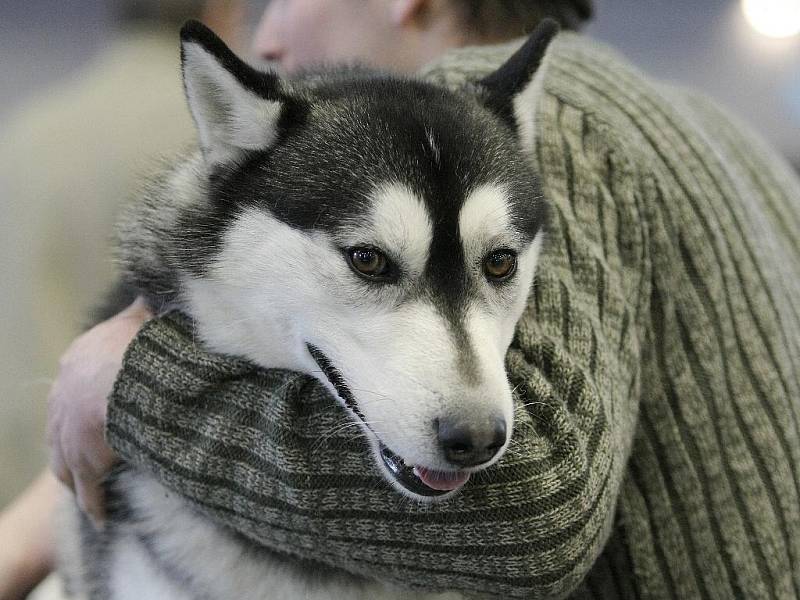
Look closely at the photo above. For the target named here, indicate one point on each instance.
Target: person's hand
(78, 400)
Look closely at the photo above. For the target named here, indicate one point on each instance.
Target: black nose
(470, 445)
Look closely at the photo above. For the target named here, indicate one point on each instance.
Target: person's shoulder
(570, 56)
(461, 66)
(582, 75)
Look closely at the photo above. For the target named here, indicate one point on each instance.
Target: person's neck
(432, 45)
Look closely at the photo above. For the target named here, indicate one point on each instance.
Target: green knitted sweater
(656, 451)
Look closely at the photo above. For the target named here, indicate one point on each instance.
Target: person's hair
(503, 19)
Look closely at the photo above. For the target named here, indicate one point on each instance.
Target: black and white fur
(251, 237)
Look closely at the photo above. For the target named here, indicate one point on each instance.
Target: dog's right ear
(512, 90)
(235, 107)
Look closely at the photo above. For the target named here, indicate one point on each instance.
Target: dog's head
(378, 232)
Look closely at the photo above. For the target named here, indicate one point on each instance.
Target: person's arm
(27, 538)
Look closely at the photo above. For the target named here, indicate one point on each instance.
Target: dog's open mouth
(416, 479)
(419, 480)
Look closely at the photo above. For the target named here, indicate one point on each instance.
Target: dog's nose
(471, 445)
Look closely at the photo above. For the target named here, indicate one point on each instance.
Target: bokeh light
(773, 18)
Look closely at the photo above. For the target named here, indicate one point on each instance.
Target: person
(660, 352)
(291, 34)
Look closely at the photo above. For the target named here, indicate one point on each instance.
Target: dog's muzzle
(417, 480)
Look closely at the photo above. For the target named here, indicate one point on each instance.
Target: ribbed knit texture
(657, 370)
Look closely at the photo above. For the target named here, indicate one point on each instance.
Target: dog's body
(376, 232)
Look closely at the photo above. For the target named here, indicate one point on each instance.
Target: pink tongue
(439, 480)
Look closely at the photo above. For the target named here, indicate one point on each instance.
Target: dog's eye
(369, 263)
(500, 265)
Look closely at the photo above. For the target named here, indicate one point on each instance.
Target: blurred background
(77, 76)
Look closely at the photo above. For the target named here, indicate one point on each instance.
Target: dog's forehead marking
(485, 218)
(400, 224)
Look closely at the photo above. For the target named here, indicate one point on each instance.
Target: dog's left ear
(513, 90)
(235, 107)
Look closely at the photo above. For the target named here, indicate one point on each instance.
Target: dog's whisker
(337, 429)
(534, 403)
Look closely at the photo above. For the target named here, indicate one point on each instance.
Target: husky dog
(377, 232)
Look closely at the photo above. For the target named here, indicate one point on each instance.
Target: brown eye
(368, 262)
(500, 265)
